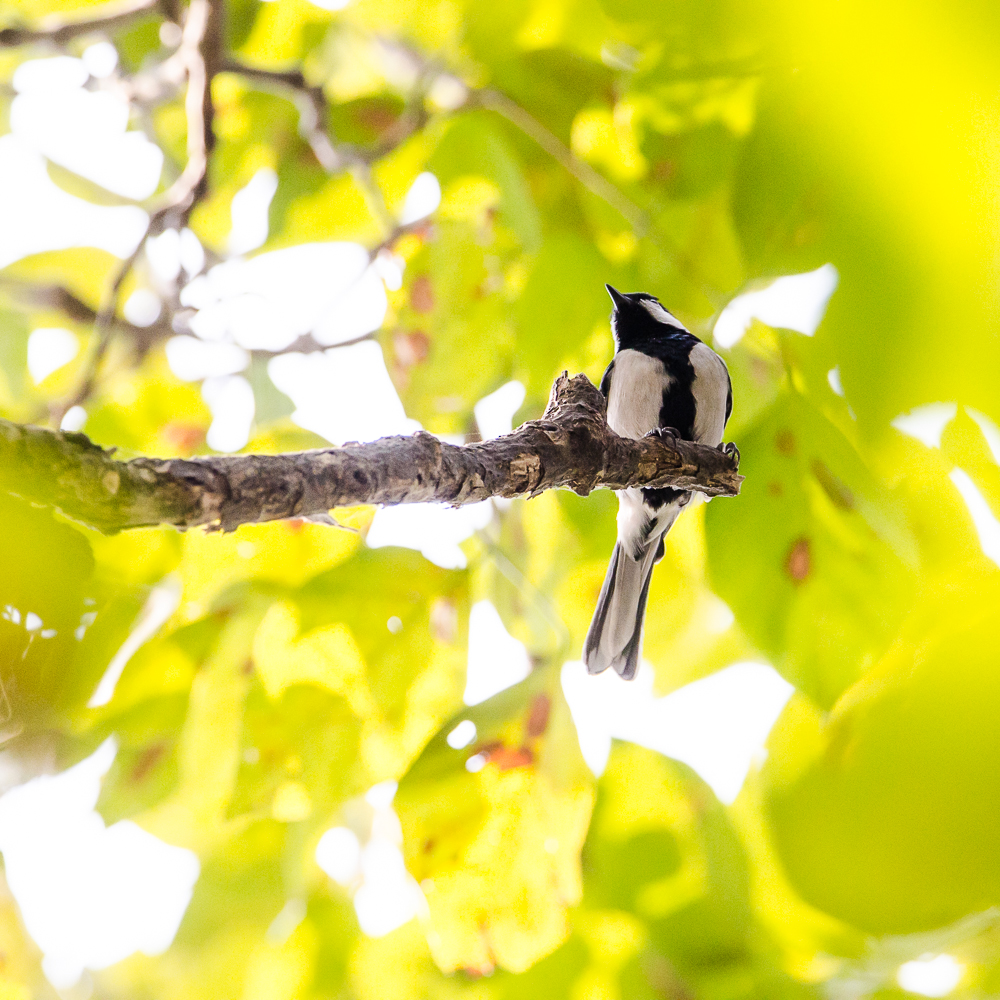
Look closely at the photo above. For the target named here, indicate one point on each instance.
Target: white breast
(637, 385)
(711, 390)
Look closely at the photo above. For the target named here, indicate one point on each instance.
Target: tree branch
(313, 114)
(112, 17)
(312, 107)
(62, 299)
(199, 54)
(571, 447)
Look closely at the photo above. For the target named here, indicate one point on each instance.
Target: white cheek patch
(661, 315)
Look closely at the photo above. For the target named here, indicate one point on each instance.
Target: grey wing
(606, 380)
(712, 392)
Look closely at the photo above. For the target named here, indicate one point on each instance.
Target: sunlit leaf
(44, 591)
(827, 581)
(306, 740)
(900, 776)
(14, 333)
(496, 849)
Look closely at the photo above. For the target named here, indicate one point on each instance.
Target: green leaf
(562, 306)
(43, 589)
(553, 84)
(14, 333)
(270, 402)
(362, 122)
(138, 41)
(496, 850)
(455, 319)
(153, 412)
(661, 847)
(884, 815)
(241, 879)
(145, 770)
(474, 146)
(812, 560)
(691, 163)
(365, 593)
(297, 754)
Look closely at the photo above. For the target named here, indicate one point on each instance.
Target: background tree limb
(60, 32)
(571, 447)
(197, 58)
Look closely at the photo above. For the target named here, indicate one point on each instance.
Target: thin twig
(103, 329)
(375, 200)
(179, 198)
(308, 344)
(595, 182)
(145, 337)
(415, 115)
(112, 17)
(58, 297)
(312, 106)
(50, 297)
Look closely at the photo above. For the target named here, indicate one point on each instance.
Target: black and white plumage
(662, 379)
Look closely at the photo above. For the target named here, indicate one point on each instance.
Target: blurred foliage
(691, 149)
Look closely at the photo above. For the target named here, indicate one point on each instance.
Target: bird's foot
(731, 451)
(669, 434)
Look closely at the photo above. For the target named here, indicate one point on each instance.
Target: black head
(639, 316)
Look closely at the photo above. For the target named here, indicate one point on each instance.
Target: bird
(662, 381)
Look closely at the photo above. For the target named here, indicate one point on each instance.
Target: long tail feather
(615, 633)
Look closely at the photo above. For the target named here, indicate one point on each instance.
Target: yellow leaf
(327, 656)
(608, 139)
(337, 211)
(85, 271)
(497, 851)
(209, 748)
(505, 903)
(20, 958)
(288, 552)
(291, 803)
(278, 29)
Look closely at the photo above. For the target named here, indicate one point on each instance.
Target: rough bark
(570, 447)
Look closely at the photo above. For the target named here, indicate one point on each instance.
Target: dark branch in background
(199, 54)
(143, 338)
(595, 182)
(333, 156)
(64, 32)
(57, 297)
(571, 447)
(307, 344)
(312, 105)
(314, 113)
(198, 58)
